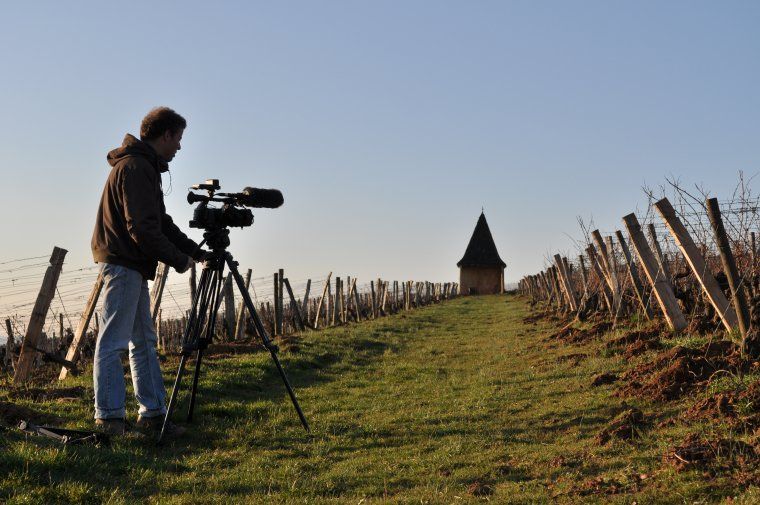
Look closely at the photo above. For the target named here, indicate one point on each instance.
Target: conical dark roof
(481, 251)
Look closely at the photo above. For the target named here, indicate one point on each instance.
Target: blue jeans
(126, 325)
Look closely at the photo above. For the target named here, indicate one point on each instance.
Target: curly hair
(158, 121)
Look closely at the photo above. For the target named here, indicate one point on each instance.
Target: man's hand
(190, 262)
(202, 256)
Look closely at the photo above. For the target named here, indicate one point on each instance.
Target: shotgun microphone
(260, 198)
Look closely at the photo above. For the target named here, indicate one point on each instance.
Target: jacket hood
(132, 146)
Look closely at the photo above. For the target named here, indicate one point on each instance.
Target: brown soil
(701, 325)
(578, 336)
(741, 409)
(695, 452)
(480, 489)
(47, 394)
(289, 343)
(604, 378)
(680, 370)
(11, 414)
(609, 486)
(625, 426)
(637, 342)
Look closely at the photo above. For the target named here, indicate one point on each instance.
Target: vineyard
(41, 331)
(680, 304)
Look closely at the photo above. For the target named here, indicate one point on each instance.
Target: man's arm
(179, 239)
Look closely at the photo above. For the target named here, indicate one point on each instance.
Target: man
(132, 234)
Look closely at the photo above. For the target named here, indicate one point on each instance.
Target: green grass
(421, 407)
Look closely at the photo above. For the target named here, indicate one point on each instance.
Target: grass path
(455, 402)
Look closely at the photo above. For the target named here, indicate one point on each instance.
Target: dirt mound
(679, 370)
(573, 335)
(478, 488)
(47, 394)
(625, 426)
(604, 378)
(717, 406)
(609, 486)
(741, 409)
(11, 414)
(637, 342)
(695, 452)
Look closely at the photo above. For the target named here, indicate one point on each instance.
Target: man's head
(162, 128)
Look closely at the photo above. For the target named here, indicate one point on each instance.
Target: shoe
(115, 426)
(154, 424)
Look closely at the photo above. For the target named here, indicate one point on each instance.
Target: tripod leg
(264, 337)
(194, 389)
(191, 337)
(173, 398)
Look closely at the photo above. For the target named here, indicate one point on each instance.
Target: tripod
(199, 330)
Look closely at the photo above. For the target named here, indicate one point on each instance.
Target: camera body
(205, 217)
(231, 213)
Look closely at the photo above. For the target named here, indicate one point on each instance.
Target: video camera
(231, 213)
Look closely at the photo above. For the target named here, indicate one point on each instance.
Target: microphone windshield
(261, 198)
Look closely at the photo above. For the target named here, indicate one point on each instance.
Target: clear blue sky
(387, 125)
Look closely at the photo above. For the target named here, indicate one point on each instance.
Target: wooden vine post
(697, 264)
(39, 313)
(661, 259)
(241, 313)
(729, 266)
(72, 354)
(318, 312)
(565, 283)
(603, 284)
(608, 270)
(280, 300)
(229, 308)
(661, 287)
(9, 344)
(294, 306)
(633, 273)
(157, 290)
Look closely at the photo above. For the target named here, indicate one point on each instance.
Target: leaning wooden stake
(729, 265)
(608, 269)
(294, 306)
(661, 259)
(661, 287)
(72, 354)
(357, 305)
(565, 283)
(229, 308)
(241, 312)
(9, 344)
(158, 290)
(318, 312)
(603, 284)
(697, 264)
(37, 321)
(280, 300)
(633, 273)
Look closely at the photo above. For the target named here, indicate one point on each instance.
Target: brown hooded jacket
(132, 228)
